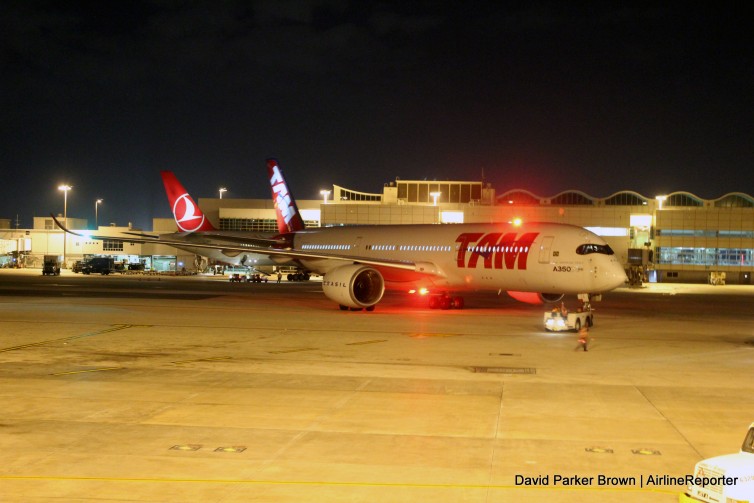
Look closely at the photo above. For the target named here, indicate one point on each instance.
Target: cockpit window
(594, 248)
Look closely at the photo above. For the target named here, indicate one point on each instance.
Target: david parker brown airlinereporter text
(604, 480)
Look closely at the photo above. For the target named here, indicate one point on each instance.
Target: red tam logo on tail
(288, 217)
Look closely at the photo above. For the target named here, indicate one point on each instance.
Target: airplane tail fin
(186, 213)
(288, 215)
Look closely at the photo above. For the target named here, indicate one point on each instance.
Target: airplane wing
(258, 241)
(422, 268)
(141, 235)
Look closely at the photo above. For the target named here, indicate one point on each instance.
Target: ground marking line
(114, 328)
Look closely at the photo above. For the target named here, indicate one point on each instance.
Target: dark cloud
(540, 95)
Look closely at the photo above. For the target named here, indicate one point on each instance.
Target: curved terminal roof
(625, 198)
(735, 200)
(519, 196)
(682, 199)
(573, 197)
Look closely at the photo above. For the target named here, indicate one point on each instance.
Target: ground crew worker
(280, 276)
(583, 338)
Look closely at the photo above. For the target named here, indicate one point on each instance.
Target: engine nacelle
(354, 286)
(536, 298)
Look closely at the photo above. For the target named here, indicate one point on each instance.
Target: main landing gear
(346, 308)
(299, 276)
(445, 301)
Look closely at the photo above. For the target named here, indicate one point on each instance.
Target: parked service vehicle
(101, 265)
(51, 265)
(724, 479)
(77, 266)
(556, 320)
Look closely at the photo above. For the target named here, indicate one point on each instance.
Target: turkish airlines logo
(281, 196)
(185, 215)
(499, 251)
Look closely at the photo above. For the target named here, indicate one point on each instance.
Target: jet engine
(355, 286)
(536, 298)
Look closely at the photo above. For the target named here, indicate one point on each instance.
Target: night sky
(545, 96)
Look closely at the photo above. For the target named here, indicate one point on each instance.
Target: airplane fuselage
(226, 256)
(542, 257)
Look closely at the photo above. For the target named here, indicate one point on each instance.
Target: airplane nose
(614, 276)
(609, 275)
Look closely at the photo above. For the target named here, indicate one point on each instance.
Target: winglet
(187, 215)
(57, 222)
(288, 216)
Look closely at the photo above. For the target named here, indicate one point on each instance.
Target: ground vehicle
(77, 266)
(51, 265)
(729, 478)
(102, 265)
(559, 319)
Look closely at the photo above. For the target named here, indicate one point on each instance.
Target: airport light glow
(96, 216)
(65, 188)
(435, 196)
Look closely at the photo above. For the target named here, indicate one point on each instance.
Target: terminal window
(249, 224)
(626, 199)
(112, 245)
(450, 192)
(705, 256)
(350, 195)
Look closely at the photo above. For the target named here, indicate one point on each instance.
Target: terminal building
(675, 237)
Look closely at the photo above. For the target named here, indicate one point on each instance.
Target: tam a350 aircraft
(533, 262)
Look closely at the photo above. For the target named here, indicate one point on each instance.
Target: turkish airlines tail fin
(186, 213)
(288, 215)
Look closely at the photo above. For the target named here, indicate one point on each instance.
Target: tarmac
(152, 389)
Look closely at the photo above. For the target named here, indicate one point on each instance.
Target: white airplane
(533, 262)
(196, 230)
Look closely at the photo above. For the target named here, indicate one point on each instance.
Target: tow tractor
(560, 319)
(728, 478)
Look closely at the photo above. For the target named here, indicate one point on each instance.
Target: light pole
(325, 193)
(65, 189)
(222, 189)
(436, 195)
(96, 219)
